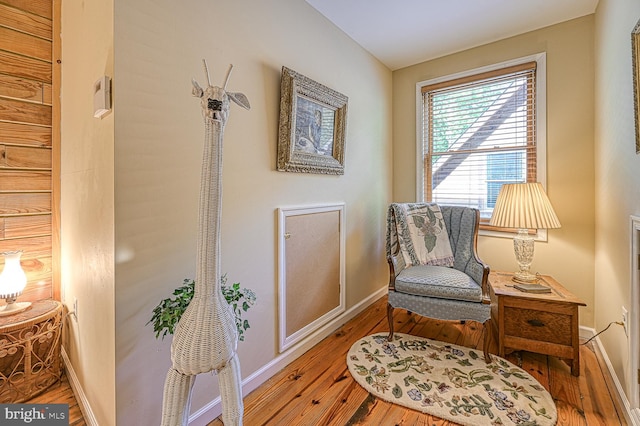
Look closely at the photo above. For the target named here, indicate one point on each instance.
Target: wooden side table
(545, 323)
(30, 351)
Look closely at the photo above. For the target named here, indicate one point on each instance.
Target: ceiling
(405, 32)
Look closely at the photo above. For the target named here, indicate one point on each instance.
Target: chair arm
(392, 274)
(479, 271)
(396, 265)
(486, 295)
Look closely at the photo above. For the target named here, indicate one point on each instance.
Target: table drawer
(538, 325)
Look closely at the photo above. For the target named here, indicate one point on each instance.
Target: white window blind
(479, 132)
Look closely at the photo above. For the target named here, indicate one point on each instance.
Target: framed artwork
(635, 57)
(312, 127)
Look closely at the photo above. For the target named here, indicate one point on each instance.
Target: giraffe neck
(210, 213)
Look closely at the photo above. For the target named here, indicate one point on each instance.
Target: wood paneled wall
(29, 175)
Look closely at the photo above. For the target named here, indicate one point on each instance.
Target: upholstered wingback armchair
(447, 285)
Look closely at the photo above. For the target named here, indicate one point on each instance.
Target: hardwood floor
(61, 393)
(317, 389)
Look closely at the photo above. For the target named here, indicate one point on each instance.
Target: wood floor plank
(341, 412)
(61, 393)
(371, 409)
(566, 393)
(450, 332)
(611, 387)
(317, 401)
(471, 335)
(538, 366)
(598, 406)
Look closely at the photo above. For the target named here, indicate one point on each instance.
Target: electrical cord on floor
(602, 331)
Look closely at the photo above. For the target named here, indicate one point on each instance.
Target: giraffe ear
(196, 90)
(240, 99)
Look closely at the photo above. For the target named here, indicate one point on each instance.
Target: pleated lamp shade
(524, 206)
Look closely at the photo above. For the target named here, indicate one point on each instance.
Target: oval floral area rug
(449, 381)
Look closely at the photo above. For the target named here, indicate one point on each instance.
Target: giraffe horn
(226, 80)
(206, 72)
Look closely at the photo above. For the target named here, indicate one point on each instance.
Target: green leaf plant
(168, 312)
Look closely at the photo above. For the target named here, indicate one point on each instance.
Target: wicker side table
(30, 351)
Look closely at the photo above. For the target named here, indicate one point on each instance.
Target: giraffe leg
(177, 398)
(230, 382)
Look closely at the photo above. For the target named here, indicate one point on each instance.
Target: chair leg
(390, 319)
(488, 329)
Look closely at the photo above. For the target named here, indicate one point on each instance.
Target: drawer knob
(535, 323)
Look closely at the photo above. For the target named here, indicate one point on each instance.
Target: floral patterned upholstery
(460, 292)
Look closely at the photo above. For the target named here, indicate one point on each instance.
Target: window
(478, 132)
(503, 167)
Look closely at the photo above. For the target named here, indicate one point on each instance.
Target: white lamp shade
(524, 206)
(13, 279)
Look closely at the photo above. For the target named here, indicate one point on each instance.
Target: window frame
(541, 127)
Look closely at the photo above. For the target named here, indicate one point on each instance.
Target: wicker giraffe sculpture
(206, 336)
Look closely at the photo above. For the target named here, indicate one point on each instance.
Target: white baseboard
(586, 333)
(632, 416)
(81, 397)
(213, 409)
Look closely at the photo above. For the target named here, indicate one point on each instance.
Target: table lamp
(524, 206)
(12, 282)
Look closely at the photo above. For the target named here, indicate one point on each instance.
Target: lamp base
(525, 278)
(14, 308)
(523, 249)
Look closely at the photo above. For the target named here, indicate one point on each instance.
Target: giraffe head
(215, 100)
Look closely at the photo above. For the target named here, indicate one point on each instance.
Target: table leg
(575, 366)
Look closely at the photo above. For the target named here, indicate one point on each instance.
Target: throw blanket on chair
(417, 231)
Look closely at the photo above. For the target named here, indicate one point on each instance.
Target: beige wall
(159, 132)
(617, 174)
(87, 210)
(569, 253)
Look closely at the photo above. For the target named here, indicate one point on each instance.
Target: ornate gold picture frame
(312, 127)
(635, 53)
